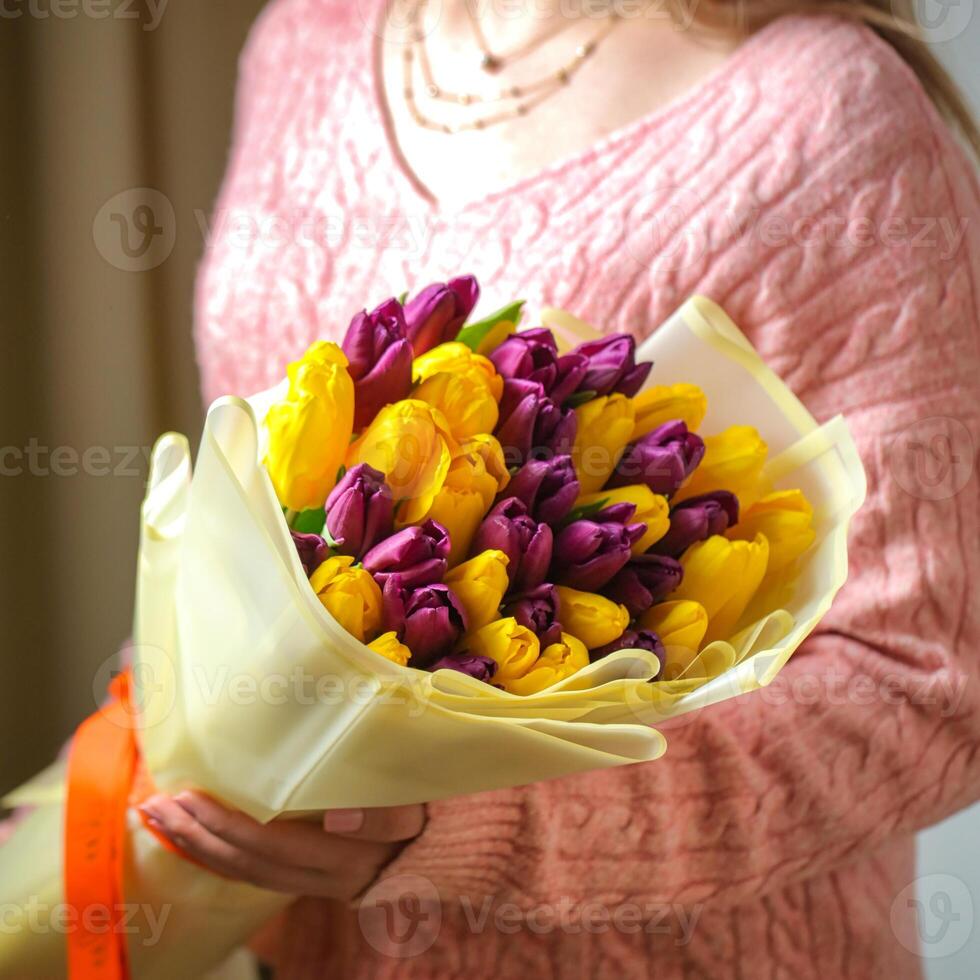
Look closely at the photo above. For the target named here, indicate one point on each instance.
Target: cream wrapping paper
(249, 690)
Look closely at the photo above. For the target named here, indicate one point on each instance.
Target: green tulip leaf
(473, 334)
(579, 398)
(310, 521)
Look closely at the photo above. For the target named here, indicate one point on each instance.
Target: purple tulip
(380, 359)
(531, 423)
(612, 366)
(436, 314)
(532, 355)
(526, 543)
(643, 581)
(634, 640)
(697, 519)
(537, 610)
(473, 664)
(417, 555)
(428, 619)
(588, 553)
(312, 549)
(359, 511)
(663, 459)
(548, 487)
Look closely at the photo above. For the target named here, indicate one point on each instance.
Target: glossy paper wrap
(223, 603)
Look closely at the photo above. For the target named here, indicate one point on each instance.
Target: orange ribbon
(102, 765)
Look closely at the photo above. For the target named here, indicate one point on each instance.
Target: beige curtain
(96, 320)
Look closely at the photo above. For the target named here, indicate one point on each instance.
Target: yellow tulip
(309, 430)
(594, 619)
(678, 622)
(350, 595)
(469, 407)
(480, 584)
(390, 648)
(723, 576)
(491, 452)
(410, 442)
(733, 460)
(664, 403)
(652, 509)
(496, 336)
(557, 661)
(456, 358)
(605, 425)
(786, 519)
(468, 492)
(513, 648)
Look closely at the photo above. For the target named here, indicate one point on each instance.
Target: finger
(387, 824)
(296, 842)
(228, 859)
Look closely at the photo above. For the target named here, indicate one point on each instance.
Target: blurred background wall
(96, 331)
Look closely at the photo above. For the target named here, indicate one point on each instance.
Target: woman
(796, 172)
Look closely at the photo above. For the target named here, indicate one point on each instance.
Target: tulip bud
(513, 647)
(556, 662)
(350, 595)
(380, 359)
(482, 668)
(733, 461)
(480, 584)
(594, 619)
(634, 640)
(604, 427)
(309, 430)
(538, 610)
(312, 550)
(428, 619)
(438, 312)
(652, 509)
(532, 355)
(723, 576)
(612, 366)
(645, 580)
(698, 518)
(786, 519)
(588, 553)
(660, 404)
(417, 555)
(548, 487)
(526, 543)
(389, 646)
(359, 511)
(531, 423)
(663, 459)
(680, 624)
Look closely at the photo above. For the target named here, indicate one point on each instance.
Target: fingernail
(186, 802)
(343, 821)
(149, 807)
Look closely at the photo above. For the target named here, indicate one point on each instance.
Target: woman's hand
(336, 859)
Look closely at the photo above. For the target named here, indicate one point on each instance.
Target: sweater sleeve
(872, 731)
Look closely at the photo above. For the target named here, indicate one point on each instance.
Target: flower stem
(290, 516)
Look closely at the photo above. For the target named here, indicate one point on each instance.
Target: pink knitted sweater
(809, 188)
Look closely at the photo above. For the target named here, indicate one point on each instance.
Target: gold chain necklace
(491, 61)
(527, 96)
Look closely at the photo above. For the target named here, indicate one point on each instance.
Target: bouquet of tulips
(470, 498)
(444, 538)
